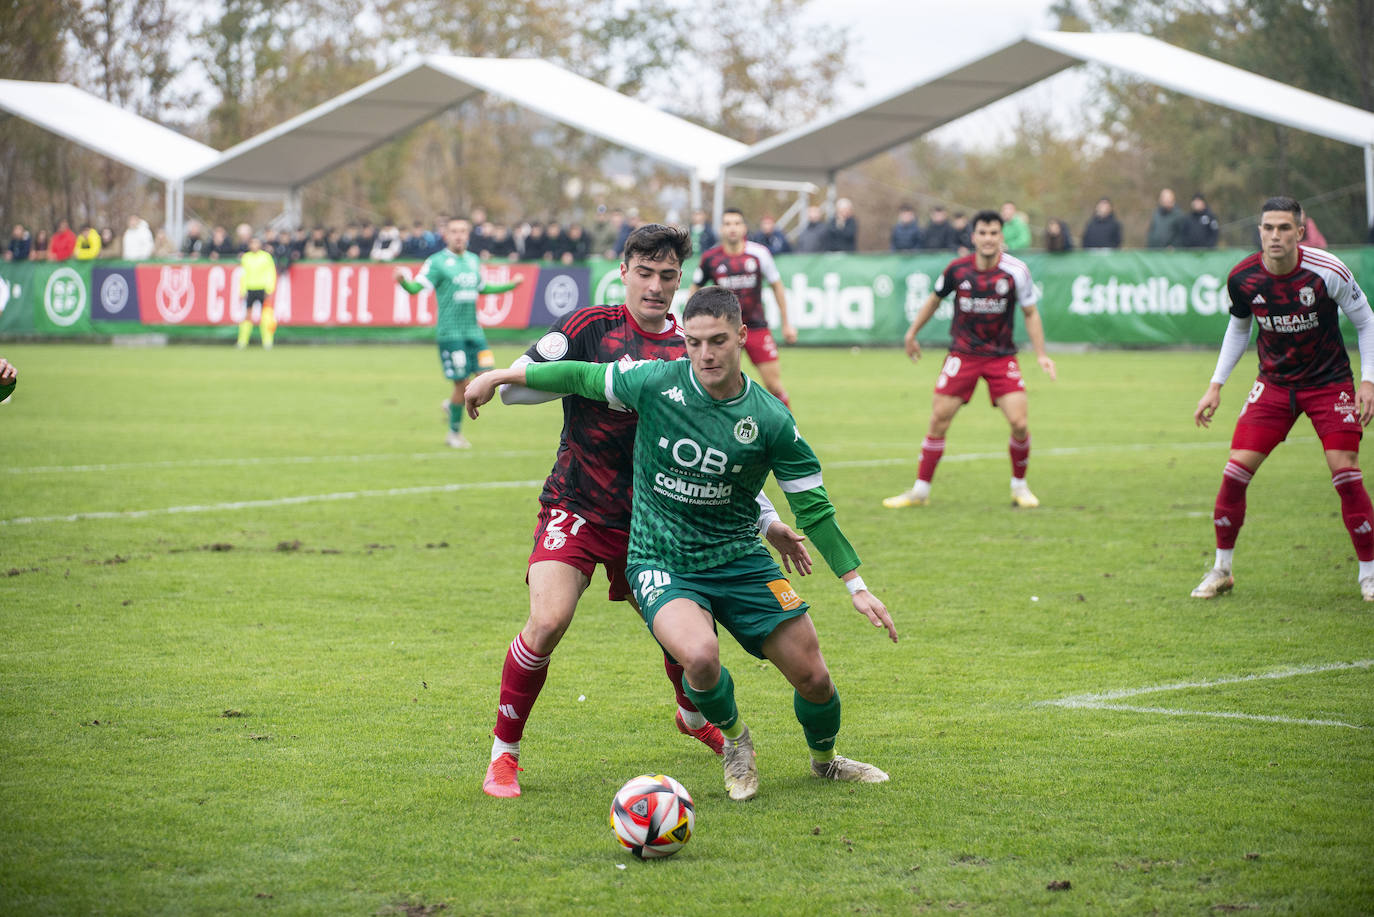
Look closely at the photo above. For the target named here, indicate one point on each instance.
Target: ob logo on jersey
(64, 298)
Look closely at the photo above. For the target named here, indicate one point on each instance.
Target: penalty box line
(280, 501)
(1106, 700)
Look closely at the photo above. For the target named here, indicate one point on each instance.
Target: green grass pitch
(253, 613)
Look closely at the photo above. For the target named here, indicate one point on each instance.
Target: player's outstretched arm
(482, 387)
(868, 604)
(912, 346)
(1211, 400)
(1035, 330)
(791, 547)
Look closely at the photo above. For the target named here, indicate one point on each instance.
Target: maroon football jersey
(985, 304)
(1299, 343)
(745, 275)
(594, 468)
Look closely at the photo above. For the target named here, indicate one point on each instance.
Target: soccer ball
(653, 816)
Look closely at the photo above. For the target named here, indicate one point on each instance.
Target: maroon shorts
(570, 539)
(961, 372)
(760, 345)
(1271, 410)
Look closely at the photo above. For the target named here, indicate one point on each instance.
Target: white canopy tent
(144, 146)
(816, 152)
(280, 161)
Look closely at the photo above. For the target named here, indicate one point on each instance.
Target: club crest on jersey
(552, 346)
(747, 430)
(1002, 286)
(751, 265)
(1307, 296)
(554, 540)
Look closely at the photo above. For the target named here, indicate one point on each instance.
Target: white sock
(921, 489)
(1224, 558)
(1366, 568)
(499, 748)
(1019, 484)
(692, 718)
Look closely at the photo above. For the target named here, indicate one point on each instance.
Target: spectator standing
(534, 245)
(632, 222)
(842, 232)
(813, 235)
(280, 250)
(702, 233)
(1057, 237)
(21, 246)
(963, 234)
(195, 244)
(40, 246)
(63, 242)
(769, 236)
(1103, 229)
(939, 234)
(1016, 231)
(606, 232)
(317, 245)
(138, 240)
(501, 245)
(906, 232)
(387, 246)
(578, 245)
(1200, 228)
(1166, 224)
(1312, 236)
(163, 246)
(365, 240)
(88, 244)
(219, 245)
(555, 243)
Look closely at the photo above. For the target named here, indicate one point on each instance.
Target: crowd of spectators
(1170, 227)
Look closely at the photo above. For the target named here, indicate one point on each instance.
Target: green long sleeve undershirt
(812, 508)
(412, 287)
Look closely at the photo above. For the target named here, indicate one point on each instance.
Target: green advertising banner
(1116, 298)
(45, 298)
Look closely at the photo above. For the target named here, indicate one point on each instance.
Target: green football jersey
(699, 464)
(456, 280)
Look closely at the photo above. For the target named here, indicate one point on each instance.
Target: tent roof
(143, 145)
(311, 144)
(814, 152)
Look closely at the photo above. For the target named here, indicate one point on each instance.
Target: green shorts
(749, 595)
(463, 358)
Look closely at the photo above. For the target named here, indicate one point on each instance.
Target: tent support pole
(1369, 184)
(695, 192)
(718, 200)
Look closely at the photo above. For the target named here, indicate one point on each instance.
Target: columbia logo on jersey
(674, 394)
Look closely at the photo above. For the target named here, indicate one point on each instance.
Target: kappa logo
(508, 711)
(174, 295)
(1257, 301)
(747, 430)
(674, 394)
(1307, 296)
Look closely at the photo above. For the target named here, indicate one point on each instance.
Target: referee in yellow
(259, 282)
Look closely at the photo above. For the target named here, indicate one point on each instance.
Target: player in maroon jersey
(1296, 295)
(584, 517)
(743, 267)
(987, 285)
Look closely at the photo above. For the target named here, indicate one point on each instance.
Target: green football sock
(717, 704)
(455, 417)
(820, 724)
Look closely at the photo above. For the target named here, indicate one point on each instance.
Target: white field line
(282, 460)
(281, 501)
(1104, 701)
(1040, 453)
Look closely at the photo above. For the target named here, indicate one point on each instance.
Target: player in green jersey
(706, 440)
(9, 378)
(455, 276)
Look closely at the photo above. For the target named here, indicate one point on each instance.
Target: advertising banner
(1116, 298)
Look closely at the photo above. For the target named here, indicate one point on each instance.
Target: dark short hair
(987, 216)
(715, 301)
(732, 210)
(1283, 202)
(655, 242)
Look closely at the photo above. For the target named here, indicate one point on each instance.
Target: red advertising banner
(321, 295)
